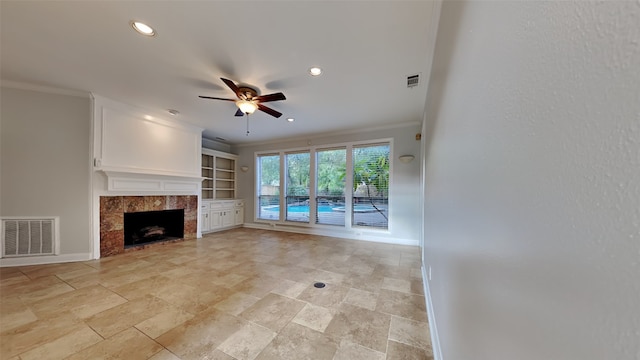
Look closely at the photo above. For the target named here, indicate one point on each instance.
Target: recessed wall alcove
(113, 208)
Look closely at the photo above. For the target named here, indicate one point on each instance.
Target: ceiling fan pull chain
(247, 124)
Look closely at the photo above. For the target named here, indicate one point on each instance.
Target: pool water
(301, 208)
(322, 208)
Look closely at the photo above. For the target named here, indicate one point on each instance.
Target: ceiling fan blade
(271, 97)
(239, 113)
(269, 111)
(216, 98)
(232, 86)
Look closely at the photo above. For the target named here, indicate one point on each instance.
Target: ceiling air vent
(413, 80)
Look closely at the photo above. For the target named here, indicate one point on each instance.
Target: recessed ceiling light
(173, 112)
(290, 119)
(142, 28)
(315, 71)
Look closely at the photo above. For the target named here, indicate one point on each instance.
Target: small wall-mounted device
(406, 158)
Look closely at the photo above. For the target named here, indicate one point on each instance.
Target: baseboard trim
(339, 234)
(220, 229)
(433, 329)
(40, 260)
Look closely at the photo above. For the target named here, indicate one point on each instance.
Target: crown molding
(42, 88)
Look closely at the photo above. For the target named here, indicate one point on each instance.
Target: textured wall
(532, 192)
(45, 161)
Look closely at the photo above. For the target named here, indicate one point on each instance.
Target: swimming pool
(322, 208)
(300, 208)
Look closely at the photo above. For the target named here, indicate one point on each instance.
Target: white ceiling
(366, 48)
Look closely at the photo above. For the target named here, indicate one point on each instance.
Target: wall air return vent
(29, 236)
(413, 80)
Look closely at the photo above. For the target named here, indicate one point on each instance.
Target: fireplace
(114, 209)
(153, 226)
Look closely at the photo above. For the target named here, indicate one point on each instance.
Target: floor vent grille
(29, 237)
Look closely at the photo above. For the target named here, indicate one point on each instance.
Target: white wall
(45, 161)
(532, 194)
(404, 200)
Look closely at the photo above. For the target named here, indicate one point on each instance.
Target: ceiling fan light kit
(247, 107)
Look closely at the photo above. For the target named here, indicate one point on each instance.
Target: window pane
(371, 186)
(330, 182)
(269, 189)
(297, 186)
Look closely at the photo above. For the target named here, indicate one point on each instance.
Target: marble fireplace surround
(113, 208)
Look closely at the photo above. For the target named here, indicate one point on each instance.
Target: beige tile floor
(239, 294)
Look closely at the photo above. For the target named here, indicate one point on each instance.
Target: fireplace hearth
(153, 226)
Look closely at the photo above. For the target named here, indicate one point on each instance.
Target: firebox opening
(153, 226)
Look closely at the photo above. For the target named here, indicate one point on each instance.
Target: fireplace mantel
(119, 180)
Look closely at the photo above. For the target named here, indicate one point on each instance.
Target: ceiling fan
(248, 99)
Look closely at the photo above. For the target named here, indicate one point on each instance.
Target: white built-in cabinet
(219, 208)
(221, 214)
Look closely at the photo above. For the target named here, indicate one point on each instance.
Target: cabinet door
(239, 216)
(205, 224)
(227, 217)
(216, 219)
